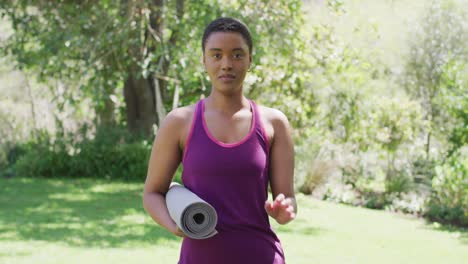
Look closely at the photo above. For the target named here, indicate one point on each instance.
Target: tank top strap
(195, 129)
(199, 113)
(198, 130)
(259, 128)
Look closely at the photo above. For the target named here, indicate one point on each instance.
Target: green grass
(89, 221)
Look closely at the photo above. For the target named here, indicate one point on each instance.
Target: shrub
(316, 175)
(410, 203)
(113, 153)
(399, 182)
(374, 200)
(42, 161)
(449, 199)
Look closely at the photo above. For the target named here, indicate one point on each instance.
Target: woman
(230, 149)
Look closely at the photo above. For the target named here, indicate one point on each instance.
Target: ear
(204, 60)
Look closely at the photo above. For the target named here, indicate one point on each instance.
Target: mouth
(227, 77)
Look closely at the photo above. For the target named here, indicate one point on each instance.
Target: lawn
(95, 221)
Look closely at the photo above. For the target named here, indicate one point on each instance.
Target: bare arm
(165, 158)
(284, 207)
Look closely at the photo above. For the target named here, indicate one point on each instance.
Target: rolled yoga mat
(195, 217)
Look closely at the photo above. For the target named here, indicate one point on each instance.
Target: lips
(227, 77)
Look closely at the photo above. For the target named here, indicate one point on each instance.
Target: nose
(226, 63)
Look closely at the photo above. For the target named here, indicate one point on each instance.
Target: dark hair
(227, 24)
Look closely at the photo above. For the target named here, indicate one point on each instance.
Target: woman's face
(227, 59)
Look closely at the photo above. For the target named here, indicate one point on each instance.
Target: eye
(238, 55)
(216, 56)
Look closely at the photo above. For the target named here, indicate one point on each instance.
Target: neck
(229, 104)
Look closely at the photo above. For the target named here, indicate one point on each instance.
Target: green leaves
(449, 200)
(399, 121)
(435, 73)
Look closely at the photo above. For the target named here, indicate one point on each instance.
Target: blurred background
(376, 91)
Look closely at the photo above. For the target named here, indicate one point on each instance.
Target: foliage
(59, 43)
(361, 137)
(423, 171)
(398, 183)
(106, 44)
(432, 72)
(398, 122)
(337, 80)
(92, 60)
(449, 199)
(410, 202)
(375, 200)
(316, 175)
(436, 76)
(112, 154)
(454, 98)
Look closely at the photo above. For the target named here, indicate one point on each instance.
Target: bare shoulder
(178, 122)
(274, 121)
(177, 119)
(273, 115)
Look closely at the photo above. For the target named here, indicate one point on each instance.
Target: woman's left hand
(281, 209)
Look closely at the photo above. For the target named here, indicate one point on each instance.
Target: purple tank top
(233, 178)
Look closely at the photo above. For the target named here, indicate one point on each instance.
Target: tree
(437, 42)
(146, 54)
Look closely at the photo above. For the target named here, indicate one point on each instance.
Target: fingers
(282, 209)
(280, 197)
(282, 201)
(290, 209)
(269, 208)
(178, 232)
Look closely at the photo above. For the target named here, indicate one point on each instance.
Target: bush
(449, 199)
(398, 182)
(44, 161)
(374, 200)
(341, 193)
(316, 175)
(113, 153)
(9, 154)
(410, 203)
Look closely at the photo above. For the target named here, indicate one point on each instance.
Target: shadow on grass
(460, 232)
(309, 231)
(84, 213)
(300, 227)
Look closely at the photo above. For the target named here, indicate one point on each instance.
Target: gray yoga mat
(195, 217)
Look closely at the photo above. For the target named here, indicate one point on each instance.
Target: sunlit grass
(95, 221)
(332, 233)
(50, 221)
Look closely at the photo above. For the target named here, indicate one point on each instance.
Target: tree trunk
(106, 115)
(428, 145)
(138, 90)
(145, 96)
(33, 110)
(140, 104)
(429, 117)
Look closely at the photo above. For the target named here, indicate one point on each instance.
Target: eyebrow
(218, 49)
